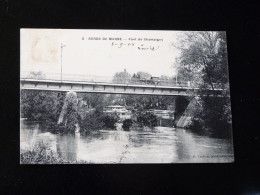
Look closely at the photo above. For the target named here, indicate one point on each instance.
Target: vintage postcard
(124, 96)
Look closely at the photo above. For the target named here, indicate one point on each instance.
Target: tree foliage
(98, 120)
(143, 75)
(203, 61)
(149, 102)
(41, 106)
(122, 77)
(146, 119)
(127, 123)
(70, 117)
(95, 100)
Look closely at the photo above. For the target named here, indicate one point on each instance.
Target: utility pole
(176, 69)
(61, 46)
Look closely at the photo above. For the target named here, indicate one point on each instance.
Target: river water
(158, 145)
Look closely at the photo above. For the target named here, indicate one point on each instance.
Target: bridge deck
(99, 79)
(99, 87)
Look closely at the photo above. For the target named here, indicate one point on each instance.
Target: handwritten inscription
(139, 46)
(143, 47)
(119, 45)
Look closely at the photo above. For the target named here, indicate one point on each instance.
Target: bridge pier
(69, 108)
(181, 104)
(185, 118)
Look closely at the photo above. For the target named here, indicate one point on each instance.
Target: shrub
(127, 123)
(62, 128)
(109, 121)
(98, 120)
(91, 122)
(196, 125)
(42, 154)
(147, 119)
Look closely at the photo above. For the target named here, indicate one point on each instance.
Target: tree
(98, 120)
(143, 75)
(166, 78)
(127, 123)
(94, 100)
(203, 61)
(146, 119)
(122, 77)
(148, 102)
(70, 108)
(44, 106)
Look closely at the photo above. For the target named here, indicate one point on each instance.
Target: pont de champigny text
(120, 39)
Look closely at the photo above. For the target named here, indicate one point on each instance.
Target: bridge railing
(136, 81)
(102, 79)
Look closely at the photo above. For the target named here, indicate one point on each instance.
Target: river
(158, 145)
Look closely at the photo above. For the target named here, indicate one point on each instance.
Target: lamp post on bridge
(61, 46)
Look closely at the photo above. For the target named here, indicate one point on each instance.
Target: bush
(221, 129)
(196, 125)
(42, 154)
(62, 128)
(109, 121)
(68, 126)
(147, 119)
(98, 120)
(91, 122)
(127, 123)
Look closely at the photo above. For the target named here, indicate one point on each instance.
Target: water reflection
(67, 146)
(195, 148)
(185, 145)
(158, 145)
(33, 133)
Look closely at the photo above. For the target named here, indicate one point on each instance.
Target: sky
(83, 53)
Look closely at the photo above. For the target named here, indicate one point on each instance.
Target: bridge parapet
(100, 79)
(112, 88)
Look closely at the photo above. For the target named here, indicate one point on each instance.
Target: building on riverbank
(164, 117)
(164, 114)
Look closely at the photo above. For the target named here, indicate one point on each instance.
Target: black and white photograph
(124, 97)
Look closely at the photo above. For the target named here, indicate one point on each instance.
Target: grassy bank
(42, 154)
